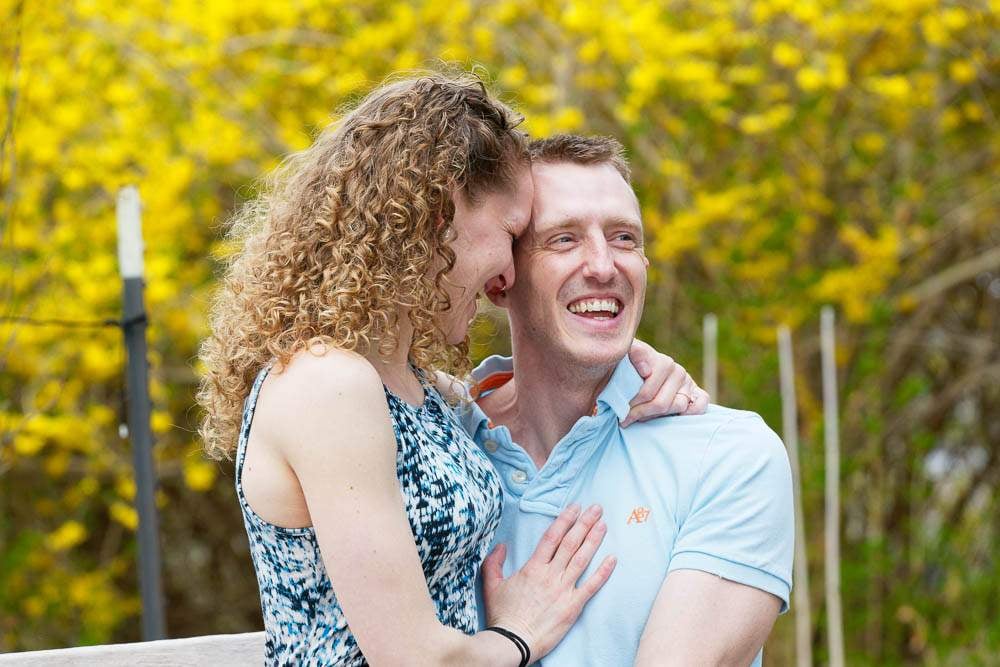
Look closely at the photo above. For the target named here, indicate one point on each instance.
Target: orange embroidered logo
(638, 515)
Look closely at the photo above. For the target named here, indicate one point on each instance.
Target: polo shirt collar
(624, 384)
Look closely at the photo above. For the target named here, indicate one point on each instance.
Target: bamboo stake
(790, 427)
(834, 615)
(710, 354)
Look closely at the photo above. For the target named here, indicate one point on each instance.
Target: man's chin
(598, 354)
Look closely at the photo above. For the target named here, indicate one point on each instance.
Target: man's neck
(543, 401)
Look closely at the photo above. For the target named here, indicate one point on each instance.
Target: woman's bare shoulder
(328, 368)
(324, 393)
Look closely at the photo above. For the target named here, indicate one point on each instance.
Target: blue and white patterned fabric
(453, 501)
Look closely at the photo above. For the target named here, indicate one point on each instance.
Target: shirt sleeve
(740, 524)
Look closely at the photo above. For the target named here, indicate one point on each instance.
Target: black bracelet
(522, 646)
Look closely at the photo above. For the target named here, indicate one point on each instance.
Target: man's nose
(599, 264)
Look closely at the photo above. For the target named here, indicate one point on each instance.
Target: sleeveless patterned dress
(453, 502)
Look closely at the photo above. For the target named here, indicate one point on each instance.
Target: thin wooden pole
(710, 353)
(790, 427)
(831, 439)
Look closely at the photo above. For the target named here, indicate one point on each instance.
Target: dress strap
(249, 405)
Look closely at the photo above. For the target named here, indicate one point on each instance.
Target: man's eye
(563, 239)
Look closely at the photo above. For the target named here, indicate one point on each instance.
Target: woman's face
(484, 233)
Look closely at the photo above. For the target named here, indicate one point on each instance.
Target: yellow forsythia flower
(786, 55)
(809, 79)
(66, 536)
(962, 71)
(871, 143)
(27, 444)
(124, 514)
(199, 474)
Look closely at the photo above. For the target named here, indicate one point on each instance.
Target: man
(698, 509)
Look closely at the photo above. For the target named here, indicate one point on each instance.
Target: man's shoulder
(703, 427)
(719, 433)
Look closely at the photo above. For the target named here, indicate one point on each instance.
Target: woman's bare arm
(329, 418)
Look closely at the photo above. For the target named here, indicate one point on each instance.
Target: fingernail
(642, 368)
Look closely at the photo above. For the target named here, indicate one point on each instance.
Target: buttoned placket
(545, 491)
(514, 465)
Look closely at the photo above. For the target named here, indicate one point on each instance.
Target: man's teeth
(594, 306)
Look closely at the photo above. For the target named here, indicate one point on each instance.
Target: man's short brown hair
(577, 149)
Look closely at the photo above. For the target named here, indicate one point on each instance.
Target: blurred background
(788, 154)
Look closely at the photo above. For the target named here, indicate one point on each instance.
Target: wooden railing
(213, 650)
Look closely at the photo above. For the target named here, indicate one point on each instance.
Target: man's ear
(496, 291)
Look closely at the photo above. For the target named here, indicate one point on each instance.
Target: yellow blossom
(568, 119)
(27, 444)
(786, 55)
(160, 421)
(896, 88)
(125, 488)
(199, 474)
(809, 79)
(950, 119)
(56, 464)
(67, 536)
(124, 514)
(962, 71)
(973, 111)
(872, 143)
(955, 18)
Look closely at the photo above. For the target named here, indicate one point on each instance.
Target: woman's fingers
(541, 600)
(575, 537)
(701, 401)
(492, 568)
(699, 398)
(665, 402)
(653, 367)
(595, 581)
(581, 559)
(553, 535)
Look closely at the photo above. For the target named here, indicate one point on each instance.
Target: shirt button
(490, 445)
(519, 477)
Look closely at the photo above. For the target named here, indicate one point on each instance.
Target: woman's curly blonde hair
(353, 229)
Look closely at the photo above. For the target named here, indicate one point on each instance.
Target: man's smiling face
(581, 271)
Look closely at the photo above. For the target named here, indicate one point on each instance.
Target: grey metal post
(790, 428)
(140, 433)
(831, 432)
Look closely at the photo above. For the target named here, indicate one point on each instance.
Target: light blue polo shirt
(710, 492)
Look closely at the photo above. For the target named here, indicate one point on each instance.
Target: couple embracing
(543, 507)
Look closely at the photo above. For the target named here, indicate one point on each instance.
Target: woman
(364, 501)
